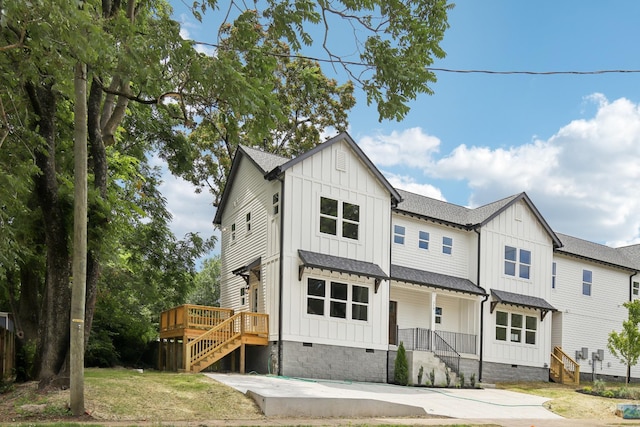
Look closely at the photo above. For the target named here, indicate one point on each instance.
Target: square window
(328, 225)
(351, 212)
(328, 207)
(359, 312)
(502, 318)
(339, 291)
(360, 294)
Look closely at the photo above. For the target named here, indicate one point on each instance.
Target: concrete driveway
(288, 397)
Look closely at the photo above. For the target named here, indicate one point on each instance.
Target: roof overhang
(435, 280)
(519, 300)
(246, 269)
(341, 265)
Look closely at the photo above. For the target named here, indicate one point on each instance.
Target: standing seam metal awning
(341, 265)
(519, 300)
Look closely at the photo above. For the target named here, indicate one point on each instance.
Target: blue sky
(572, 142)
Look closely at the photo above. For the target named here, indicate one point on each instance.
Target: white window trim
(327, 300)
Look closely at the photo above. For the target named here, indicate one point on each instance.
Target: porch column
(433, 319)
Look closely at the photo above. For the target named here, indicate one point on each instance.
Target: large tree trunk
(53, 342)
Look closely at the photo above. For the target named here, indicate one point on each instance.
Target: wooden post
(242, 356)
(186, 354)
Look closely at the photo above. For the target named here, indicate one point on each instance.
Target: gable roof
(344, 136)
(462, 217)
(272, 166)
(626, 258)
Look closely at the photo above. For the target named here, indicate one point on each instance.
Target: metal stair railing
(446, 353)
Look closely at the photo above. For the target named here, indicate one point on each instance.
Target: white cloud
(584, 179)
(408, 183)
(410, 147)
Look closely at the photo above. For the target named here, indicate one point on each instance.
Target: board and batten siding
(248, 195)
(409, 254)
(516, 226)
(337, 173)
(588, 320)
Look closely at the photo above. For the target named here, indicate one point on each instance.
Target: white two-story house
(347, 267)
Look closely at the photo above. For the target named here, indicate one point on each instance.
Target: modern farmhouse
(326, 268)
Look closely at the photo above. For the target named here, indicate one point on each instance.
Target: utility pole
(79, 281)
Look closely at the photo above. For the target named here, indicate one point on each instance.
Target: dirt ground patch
(128, 395)
(567, 402)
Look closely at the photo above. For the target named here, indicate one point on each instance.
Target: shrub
(448, 377)
(599, 386)
(472, 380)
(432, 377)
(461, 377)
(401, 371)
(420, 374)
(608, 393)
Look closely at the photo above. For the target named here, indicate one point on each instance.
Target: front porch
(193, 337)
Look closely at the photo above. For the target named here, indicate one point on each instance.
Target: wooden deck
(193, 337)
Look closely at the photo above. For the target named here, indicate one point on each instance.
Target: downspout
(281, 279)
(630, 300)
(486, 297)
(631, 285)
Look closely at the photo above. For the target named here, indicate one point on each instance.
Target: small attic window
(341, 161)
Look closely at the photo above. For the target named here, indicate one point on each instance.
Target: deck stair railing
(420, 339)
(563, 368)
(224, 338)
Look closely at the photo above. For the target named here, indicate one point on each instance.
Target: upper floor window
(438, 315)
(553, 275)
(335, 216)
(587, 281)
(275, 201)
(517, 260)
(248, 221)
(344, 301)
(233, 232)
(635, 289)
(423, 240)
(398, 234)
(447, 245)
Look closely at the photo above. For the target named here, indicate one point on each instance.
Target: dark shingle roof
(632, 253)
(341, 265)
(521, 300)
(448, 213)
(434, 280)
(266, 162)
(597, 252)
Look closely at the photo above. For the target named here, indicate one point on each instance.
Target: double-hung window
(447, 245)
(343, 218)
(553, 275)
(587, 281)
(635, 290)
(398, 234)
(423, 240)
(517, 261)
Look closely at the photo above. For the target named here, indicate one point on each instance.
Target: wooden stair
(563, 369)
(219, 341)
(204, 335)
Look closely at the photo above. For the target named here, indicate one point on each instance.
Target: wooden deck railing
(234, 328)
(190, 316)
(563, 368)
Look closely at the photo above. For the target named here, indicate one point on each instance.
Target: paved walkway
(285, 397)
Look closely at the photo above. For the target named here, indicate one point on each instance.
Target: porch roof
(341, 265)
(434, 280)
(520, 300)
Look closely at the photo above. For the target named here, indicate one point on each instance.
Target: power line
(339, 61)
